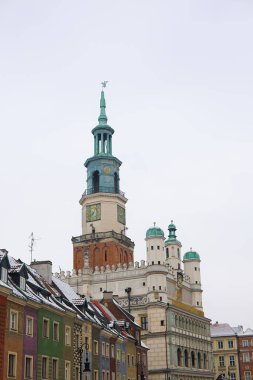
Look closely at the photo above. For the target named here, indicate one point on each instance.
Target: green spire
(102, 117)
(172, 231)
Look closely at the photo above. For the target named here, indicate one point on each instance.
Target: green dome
(191, 256)
(154, 232)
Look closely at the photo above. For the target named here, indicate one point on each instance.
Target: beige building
(225, 351)
(163, 291)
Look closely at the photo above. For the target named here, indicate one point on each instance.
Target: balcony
(103, 189)
(103, 235)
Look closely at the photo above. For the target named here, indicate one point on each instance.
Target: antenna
(31, 245)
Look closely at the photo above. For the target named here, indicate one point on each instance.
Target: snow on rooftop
(222, 329)
(66, 289)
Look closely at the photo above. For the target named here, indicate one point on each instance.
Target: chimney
(44, 268)
(107, 295)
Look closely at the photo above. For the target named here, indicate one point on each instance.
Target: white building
(163, 291)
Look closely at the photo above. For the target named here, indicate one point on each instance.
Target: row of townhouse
(47, 331)
(232, 352)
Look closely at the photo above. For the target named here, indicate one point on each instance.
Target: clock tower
(103, 241)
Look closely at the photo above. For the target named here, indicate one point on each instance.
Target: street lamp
(86, 363)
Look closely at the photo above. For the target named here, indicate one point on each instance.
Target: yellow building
(225, 351)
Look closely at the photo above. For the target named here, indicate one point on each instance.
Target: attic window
(22, 283)
(4, 274)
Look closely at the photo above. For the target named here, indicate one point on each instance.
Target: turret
(173, 248)
(155, 245)
(191, 262)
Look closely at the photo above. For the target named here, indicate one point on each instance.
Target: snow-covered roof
(65, 289)
(222, 329)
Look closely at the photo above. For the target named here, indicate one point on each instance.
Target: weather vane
(104, 83)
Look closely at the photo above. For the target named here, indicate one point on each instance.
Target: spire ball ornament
(103, 84)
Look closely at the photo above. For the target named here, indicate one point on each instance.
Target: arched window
(199, 360)
(95, 182)
(116, 183)
(193, 359)
(185, 358)
(204, 360)
(105, 255)
(179, 357)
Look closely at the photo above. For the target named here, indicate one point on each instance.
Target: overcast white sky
(180, 100)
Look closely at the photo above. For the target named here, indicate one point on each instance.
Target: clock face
(107, 170)
(93, 212)
(121, 214)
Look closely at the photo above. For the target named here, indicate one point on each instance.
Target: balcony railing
(103, 189)
(103, 235)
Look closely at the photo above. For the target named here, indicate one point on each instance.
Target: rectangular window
(22, 282)
(128, 359)
(95, 347)
(14, 320)
(118, 355)
(45, 328)
(28, 367)
(245, 357)
(4, 274)
(144, 322)
(221, 361)
(29, 326)
(232, 360)
(230, 344)
(67, 370)
(107, 350)
(247, 375)
(112, 351)
(44, 369)
(132, 360)
(232, 376)
(56, 331)
(55, 368)
(12, 364)
(220, 344)
(103, 348)
(245, 343)
(67, 336)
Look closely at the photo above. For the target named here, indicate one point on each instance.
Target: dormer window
(4, 274)
(22, 283)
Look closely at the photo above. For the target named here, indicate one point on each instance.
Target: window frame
(46, 321)
(57, 325)
(55, 360)
(67, 374)
(27, 329)
(44, 375)
(4, 275)
(22, 282)
(67, 335)
(14, 312)
(14, 366)
(31, 367)
(221, 361)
